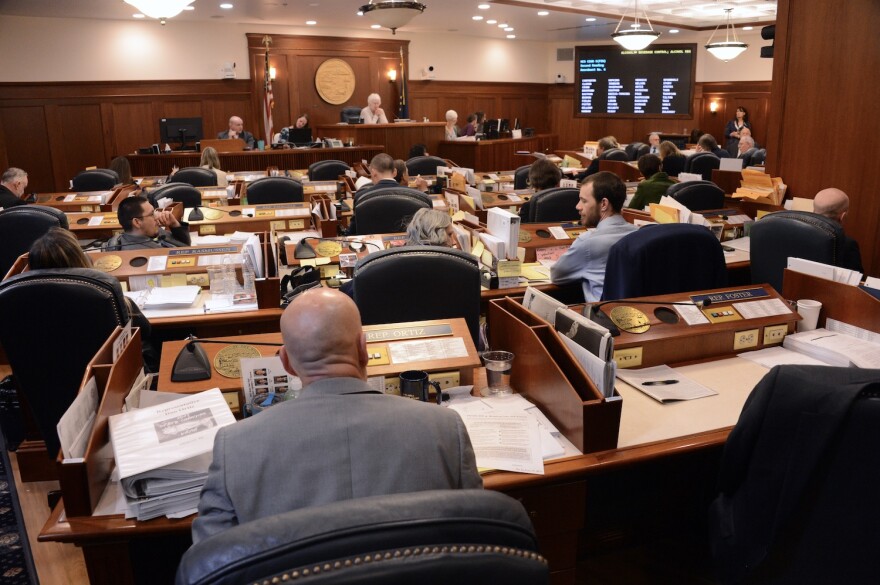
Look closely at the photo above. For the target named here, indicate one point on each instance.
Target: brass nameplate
(392, 333)
(227, 362)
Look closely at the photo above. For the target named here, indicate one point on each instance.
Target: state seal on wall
(334, 81)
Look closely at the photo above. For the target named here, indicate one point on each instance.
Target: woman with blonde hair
(211, 161)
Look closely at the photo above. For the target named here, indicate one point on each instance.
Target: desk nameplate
(390, 333)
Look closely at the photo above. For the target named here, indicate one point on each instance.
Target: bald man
(339, 440)
(834, 204)
(236, 130)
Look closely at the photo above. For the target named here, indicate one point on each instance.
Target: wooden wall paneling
(133, 126)
(823, 90)
(27, 145)
(82, 139)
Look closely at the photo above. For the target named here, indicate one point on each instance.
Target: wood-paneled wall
(824, 122)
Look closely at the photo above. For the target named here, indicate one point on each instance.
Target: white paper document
(691, 314)
(542, 304)
(402, 352)
(156, 263)
(837, 349)
(779, 356)
(765, 308)
(180, 296)
(664, 384)
(505, 440)
(75, 426)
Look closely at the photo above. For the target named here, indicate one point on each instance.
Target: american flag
(268, 101)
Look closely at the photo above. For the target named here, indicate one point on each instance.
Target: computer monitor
(180, 131)
(299, 136)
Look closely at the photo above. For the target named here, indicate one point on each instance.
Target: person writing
(373, 114)
(147, 227)
(236, 130)
(601, 199)
(734, 128)
(12, 185)
(341, 439)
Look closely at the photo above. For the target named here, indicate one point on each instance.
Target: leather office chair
(749, 156)
(636, 149)
(350, 114)
(95, 180)
(664, 259)
(702, 163)
(424, 165)
(799, 481)
(23, 225)
(521, 177)
(415, 283)
(556, 204)
(697, 195)
(39, 308)
(387, 209)
(274, 190)
(760, 156)
(180, 192)
(801, 234)
(430, 537)
(195, 176)
(615, 154)
(674, 164)
(327, 170)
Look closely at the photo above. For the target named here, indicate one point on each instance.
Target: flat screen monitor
(495, 127)
(657, 81)
(299, 136)
(181, 131)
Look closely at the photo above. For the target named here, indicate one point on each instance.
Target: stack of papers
(835, 348)
(168, 297)
(759, 186)
(826, 271)
(163, 453)
(664, 384)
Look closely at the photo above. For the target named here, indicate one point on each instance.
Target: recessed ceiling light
(491, 21)
(138, 15)
(748, 28)
(590, 19)
(508, 29)
(543, 13)
(483, 6)
(673, 31)
(511, 36)
(311, 22)
(476, 17)
(503, 25)
(375, 26)
(226, 6)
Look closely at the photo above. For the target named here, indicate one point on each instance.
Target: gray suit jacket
(339, 440)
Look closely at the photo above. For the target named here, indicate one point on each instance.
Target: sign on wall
(335, 81)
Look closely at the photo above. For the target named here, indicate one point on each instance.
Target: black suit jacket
(8, 198)
(850, 256)
(248, 138)
(786, 425)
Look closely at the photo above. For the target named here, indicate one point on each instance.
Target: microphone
(192, 363)
(593, 312)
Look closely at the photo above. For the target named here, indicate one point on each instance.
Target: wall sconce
(713, 107)
(272, 73)
(392, 75)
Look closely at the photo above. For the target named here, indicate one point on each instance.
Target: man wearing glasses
(147, 227)
(12, 185)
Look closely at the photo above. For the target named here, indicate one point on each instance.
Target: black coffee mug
(414, 384)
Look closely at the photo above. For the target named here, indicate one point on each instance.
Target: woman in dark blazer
(734, 127)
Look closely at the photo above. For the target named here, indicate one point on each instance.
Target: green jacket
(651, 190)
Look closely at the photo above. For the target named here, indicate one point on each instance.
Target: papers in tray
(835, 348)
(171, 296)
(664, 384)
(826, 271)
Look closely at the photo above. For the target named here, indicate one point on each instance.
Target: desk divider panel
(546, 372)
(842, 302)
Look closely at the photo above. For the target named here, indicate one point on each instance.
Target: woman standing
(734, 127)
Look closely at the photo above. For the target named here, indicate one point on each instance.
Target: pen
(659, 382)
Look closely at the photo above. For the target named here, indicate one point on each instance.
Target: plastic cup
(809, 312)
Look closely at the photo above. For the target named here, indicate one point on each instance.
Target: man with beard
(601, 199)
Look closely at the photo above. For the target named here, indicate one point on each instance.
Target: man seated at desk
(146, 227)
(382, 174)
(707, 143)
(236, 130)
(834, 204)
(12, 185)
(601, 199)
(339, 440)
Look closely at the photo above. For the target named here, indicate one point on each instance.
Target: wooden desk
(226, 219)
(253, 160)
(397, 138)
(496, 154)
(85, 201)
(624, 170)
(109, 224)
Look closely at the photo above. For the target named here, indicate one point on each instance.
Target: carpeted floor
(16, 563)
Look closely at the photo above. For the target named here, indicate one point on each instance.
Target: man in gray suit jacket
(339, 440)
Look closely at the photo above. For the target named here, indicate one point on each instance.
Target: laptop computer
(299, 136)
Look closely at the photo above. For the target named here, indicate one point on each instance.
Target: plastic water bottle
(228, 275)
(247, 278)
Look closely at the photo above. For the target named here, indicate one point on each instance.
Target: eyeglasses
(153, 214)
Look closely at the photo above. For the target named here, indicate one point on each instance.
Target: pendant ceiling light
(160, 9)
(392, 14)
(635, 37)
(728, 48)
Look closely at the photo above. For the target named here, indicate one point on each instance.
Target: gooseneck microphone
(192, 363)
(197, 215)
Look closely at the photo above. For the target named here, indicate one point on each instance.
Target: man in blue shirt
(601, 199)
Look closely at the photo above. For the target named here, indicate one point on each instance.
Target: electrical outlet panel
(746, 339)
(775, 334)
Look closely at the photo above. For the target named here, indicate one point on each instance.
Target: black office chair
(424, 165)
(615, 154)
(636, 149)
(95, 180)
(702, 163)
(23, 225)
(674, 164)
(350, 114)
(777, 236)
(431, 538)
(556, 204)
(54, 321)
(749, 156)
(697, 195)
(195, 176)
(521, 177)
(760, 157)
(274, 190)
(415, 283)
(664, 259)
(798, 481)
(183, 193)
(387, 209)
(327, 170)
